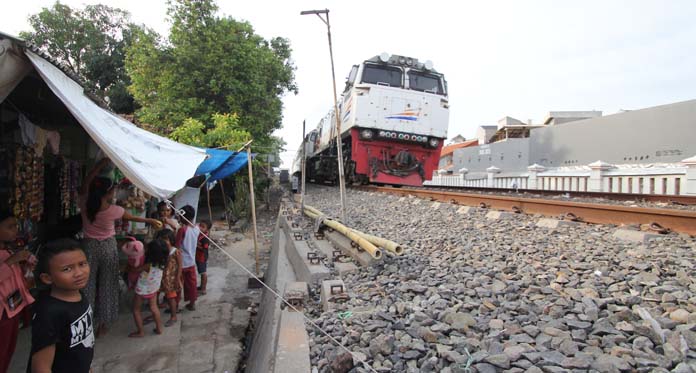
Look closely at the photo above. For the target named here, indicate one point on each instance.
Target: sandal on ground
(135, 335)
(170, 322)
(202, 292)
(190, 307)
(156, 331)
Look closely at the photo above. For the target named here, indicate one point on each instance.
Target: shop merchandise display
(6, 173)
(27, 199)
(69, 185)
(135, 201)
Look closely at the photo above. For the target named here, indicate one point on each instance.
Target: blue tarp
(233, 164)
(221, 163)
(214, 159)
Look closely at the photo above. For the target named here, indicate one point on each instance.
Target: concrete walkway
(206, 340)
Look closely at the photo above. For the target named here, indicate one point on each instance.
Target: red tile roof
(449, 149)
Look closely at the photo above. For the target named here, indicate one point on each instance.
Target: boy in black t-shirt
(62, 338)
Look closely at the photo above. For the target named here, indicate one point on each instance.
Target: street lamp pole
(339, 142)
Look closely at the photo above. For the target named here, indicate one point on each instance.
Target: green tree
(225, 132)
(90, 42)
(210, 64)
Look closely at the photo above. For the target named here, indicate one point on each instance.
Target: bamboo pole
(388, 245)
(366, 245)
(210, 210)
(253, 207)
(384, 243)
(224, 201)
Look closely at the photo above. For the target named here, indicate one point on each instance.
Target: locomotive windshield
(382, 75)
(424, 82)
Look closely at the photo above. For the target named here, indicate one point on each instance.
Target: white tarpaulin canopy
(155, 164)
(13, 68)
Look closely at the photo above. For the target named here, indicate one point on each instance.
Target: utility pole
(339, 142)
(253, 205)
(302, 167)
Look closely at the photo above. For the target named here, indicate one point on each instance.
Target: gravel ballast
(505, 295)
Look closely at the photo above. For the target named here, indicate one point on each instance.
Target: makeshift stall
(51, 131)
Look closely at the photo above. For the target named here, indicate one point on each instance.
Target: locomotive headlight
(366, 134)
(381, 133)
(433, 142)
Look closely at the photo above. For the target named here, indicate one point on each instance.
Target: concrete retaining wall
(280, 342)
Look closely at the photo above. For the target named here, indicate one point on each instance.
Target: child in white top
(148, 286)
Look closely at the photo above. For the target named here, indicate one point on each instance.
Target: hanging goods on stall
(27, 199)
(69, 184)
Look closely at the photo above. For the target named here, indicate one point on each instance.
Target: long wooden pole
(210, 210)
(224, 201)
(339, 141)
(253, 208)
(302, 166)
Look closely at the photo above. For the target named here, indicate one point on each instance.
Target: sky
(500, 58)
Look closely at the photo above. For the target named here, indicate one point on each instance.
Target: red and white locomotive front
(395, 111)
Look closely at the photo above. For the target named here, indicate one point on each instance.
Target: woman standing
(98, 224)
(14, 295)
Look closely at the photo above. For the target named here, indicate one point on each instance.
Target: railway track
(661, 220)
(677, 200)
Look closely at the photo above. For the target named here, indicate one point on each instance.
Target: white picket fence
(668, 179)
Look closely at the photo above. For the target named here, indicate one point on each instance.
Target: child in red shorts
(202, 254)
(186, 240)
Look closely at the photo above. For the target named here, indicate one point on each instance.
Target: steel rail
(672, 219)
(666, 198)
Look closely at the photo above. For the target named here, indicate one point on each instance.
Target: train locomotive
(394, 115)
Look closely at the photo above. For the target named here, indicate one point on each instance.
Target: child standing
(187, 239)
(172, 276)
(166, 215)
(14, 294)
(135, 252)
(62, 336)
(202, 253)
(148, 286)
